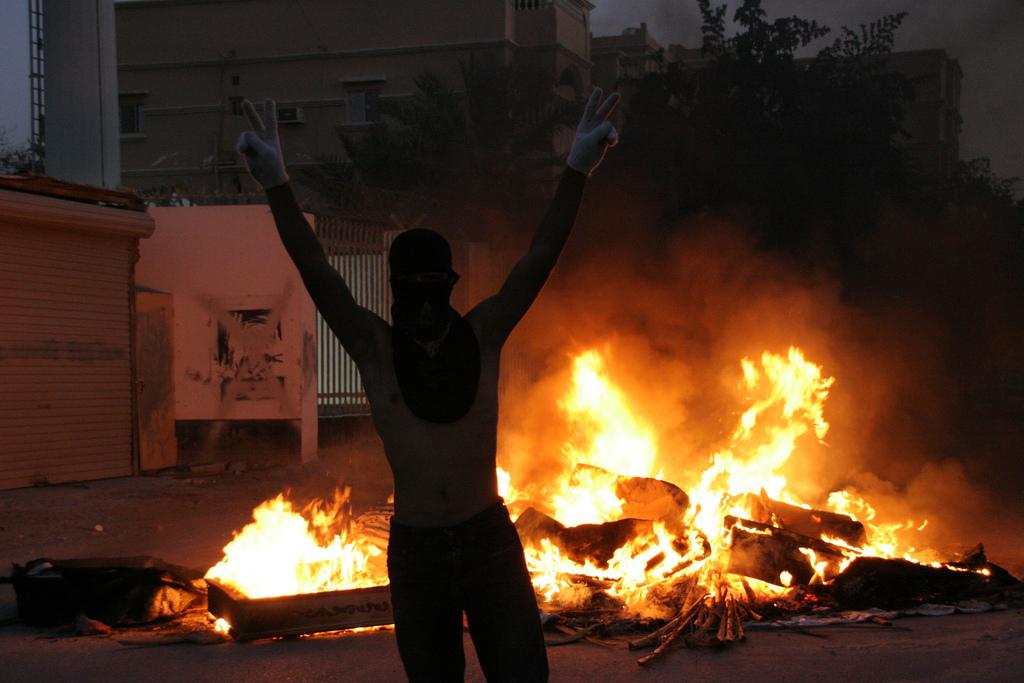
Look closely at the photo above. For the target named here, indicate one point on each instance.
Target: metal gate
(357, 248)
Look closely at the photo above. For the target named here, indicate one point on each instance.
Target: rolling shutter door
(65, 355)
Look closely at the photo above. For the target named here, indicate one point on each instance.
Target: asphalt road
(188, 521)
(985, 647)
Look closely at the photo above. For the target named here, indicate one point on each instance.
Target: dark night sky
(986, 36)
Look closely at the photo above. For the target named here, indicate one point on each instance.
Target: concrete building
(58, 88)
(184, 67)
(631, 54)
(79, 82)
(932, 119)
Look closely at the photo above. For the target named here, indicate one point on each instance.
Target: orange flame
(786, 395)
(607, 435)
(283, 552)
(611, 436)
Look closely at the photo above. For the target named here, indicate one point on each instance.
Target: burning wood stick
(736, 621)
(652, 637)
(707, 616)
(668, 639)
(588, 613)
(655, 636)
(574, 636)
(683, 622)
(686, 615)
(729, 627)
(692, 588)
(751, 597)
(744, 612)
(723, 621)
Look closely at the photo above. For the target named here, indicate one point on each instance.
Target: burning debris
(873, 582)
(614, 550)
(644, 503)
(812, 523)
(288, 552)
(582, 543)
(778, 556)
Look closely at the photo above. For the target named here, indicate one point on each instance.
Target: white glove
(261, 147)
(595, 134)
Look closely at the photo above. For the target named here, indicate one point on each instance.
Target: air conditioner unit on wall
(291, 115)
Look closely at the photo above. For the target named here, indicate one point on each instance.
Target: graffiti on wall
(249, 353)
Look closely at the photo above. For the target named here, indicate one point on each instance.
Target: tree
(17, 160)
(974, 193)
(419, 140)
(439, 145)
(797, 140)
(976, 178)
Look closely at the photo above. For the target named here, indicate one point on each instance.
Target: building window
(236, 105)
(131, 117)
(236, 80)
(362, 106)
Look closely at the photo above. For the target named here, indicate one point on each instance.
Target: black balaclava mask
(440, 386)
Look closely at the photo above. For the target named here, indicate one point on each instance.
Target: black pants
(476, 567)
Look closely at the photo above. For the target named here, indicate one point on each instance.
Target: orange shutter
(65, 339)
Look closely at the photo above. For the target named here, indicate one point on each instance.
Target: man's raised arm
(594, 135)
(261, 148)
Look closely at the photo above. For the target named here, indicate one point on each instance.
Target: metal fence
(357, 248)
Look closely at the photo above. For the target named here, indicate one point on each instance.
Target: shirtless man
(432, 383)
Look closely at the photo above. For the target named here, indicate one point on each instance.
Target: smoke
(674, 308)
(669, 21)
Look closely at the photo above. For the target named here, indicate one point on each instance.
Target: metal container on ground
(290, 615)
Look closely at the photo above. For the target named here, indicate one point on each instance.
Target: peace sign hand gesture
(261, 147)
(595, 134)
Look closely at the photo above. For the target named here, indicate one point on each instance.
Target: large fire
(786, 399)
(284, 551)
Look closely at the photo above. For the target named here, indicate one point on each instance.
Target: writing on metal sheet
(337, 610)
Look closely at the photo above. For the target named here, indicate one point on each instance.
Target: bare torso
(444, 473)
